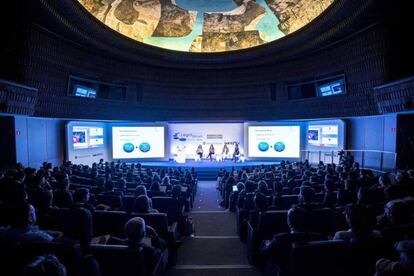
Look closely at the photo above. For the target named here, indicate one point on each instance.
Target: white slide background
(136, 135)
(289, 136)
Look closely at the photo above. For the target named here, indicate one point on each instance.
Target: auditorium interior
(207, 137)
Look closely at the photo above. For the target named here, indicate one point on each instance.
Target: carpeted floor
(215, 249)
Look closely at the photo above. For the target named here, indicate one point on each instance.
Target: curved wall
(240, 85)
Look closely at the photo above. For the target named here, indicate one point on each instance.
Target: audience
(360, 226)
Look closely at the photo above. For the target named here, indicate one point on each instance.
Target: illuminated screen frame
(274, 124)
(166, 141)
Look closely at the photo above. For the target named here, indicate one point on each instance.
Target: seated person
(260, 203)
(396, 221)
(22, 225)
(234, 196)
(307, 198)
(329, 198)
(81, 199)
(62, 197)
(140, 190)
(79, 230)
(143, 205)
(360, 226)
(200, 151)
(405, 264)
(277, 250)
(154, 251)
(45, 265)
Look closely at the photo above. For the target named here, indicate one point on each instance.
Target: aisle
(215, 248)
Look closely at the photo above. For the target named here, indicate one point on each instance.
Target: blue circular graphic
(263, 146)
(129, 147)
(144, 147)
(279, 146)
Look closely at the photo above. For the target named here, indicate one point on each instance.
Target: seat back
(114, 201)
(272, 222)
(128, 203)
(169, 206)
(109, 222)
(320, 221)
(115, 260)
(318, 258)
(158, 221)
(286, 201)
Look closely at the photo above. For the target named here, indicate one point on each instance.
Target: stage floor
(207, 164)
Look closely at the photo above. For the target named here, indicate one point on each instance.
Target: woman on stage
(225, 151)
(236, 152)
(200, 151)
(211, 152)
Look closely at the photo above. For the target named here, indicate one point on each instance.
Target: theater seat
(319, 258)
(269, 224)
(114, 201)
(115, 260)
(169, 206)
(109, 222)
(286, 201)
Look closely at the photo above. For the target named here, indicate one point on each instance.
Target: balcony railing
(373, 159)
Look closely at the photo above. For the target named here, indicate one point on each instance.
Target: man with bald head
(155, 253)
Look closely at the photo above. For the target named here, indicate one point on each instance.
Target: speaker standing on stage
(211, 152)
(199, 151)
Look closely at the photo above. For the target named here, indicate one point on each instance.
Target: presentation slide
(323, 135)
(138, 142)
(273, 141)
(185, 139)
(86, 137)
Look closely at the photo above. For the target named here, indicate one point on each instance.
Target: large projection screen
(138, 142)
(271, 141)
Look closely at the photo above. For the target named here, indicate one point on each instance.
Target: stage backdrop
(185, 138)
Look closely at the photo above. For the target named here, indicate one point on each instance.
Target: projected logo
(128, 147)
(279, 146)
(144, 147)
(177, 136)
(263, 146)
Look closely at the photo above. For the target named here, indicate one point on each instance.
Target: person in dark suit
(277, 250)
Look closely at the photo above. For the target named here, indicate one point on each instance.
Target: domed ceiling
(205, 25)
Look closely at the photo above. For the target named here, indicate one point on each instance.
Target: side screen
(86, 137)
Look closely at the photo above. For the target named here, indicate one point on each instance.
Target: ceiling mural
(205, 25)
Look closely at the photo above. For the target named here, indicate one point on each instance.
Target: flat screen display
(138, 142)
(273, 141)
(333, 88)
(83, 91)
(86, 137)
(323, 135)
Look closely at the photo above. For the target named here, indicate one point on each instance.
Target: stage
(206, 169)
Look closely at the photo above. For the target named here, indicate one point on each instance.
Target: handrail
(373, 159)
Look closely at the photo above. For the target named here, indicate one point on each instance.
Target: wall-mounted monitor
(331, 88)
(328, 134)
(323, 135)
(83, 91)
(138, 142)
(86, 137)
